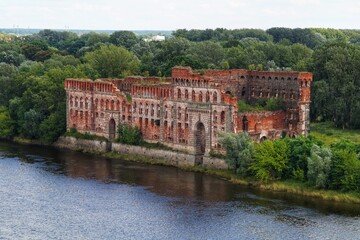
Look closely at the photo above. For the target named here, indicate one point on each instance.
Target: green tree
(112, 61)
(125, 39)
(239, 152)
(211, 54)
(336, 98)
(300, 148)
(271, 158)
(6, 123)
(53, 126)
(319, 164)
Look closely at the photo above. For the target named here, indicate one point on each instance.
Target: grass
(327, 133)
(292, 187)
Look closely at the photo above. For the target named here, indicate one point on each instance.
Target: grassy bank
(328, 134)
(290, 187)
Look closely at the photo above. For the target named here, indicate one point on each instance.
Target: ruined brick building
(188, 110)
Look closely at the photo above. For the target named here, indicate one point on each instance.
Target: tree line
(33, 68)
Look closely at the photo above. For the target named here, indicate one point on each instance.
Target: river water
(47, 193)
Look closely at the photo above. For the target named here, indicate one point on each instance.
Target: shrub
(129, 135)
(271, 158)
(345, 171)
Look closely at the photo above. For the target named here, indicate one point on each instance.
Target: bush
(345, 171)
(274, 104)
(271, 158)
(129, 135)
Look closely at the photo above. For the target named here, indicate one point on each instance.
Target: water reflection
(169, 181)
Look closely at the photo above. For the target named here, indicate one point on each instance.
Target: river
(46, 193)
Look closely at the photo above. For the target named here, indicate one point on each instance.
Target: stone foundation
(155, 155)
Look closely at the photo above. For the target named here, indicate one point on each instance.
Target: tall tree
(113, 61)
(125, 39)
(239, 152)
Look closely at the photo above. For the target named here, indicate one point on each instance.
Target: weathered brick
(188, 110)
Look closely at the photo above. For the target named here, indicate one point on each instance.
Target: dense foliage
(239, 152)
(33, 68)
(303, 159)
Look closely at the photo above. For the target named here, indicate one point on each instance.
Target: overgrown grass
(157, 145)
(261, 105)
(293, 187)
(327, 133)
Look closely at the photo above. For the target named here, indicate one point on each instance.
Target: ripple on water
(64, 195)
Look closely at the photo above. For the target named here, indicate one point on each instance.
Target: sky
(178, 14)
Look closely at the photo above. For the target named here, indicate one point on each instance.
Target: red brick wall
(169, 110)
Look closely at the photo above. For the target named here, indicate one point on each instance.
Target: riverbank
(289, 187)
(101, 148)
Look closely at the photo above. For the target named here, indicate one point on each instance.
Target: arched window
(215, 117)
(123, 106)
(200, 97)
(118, 105)
(243, 92)
(222, 117)
(179, 113)
(112, 104)
(81, 103)
(152, 109)
(158, 110)
(179, 94)
(207, 96)
(215, 97)
(102, 104)
(134, 107)
(141, 108)
(96, 103)
(186, 94)
(193, 96)
(146, 109)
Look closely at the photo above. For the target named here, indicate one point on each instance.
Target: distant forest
(33, 67)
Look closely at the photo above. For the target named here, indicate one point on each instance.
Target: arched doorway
(263, 138)
(112, 129)
(200, 142)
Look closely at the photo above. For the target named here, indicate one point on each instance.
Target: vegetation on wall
(271, 104)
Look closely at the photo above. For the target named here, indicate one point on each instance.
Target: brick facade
(188, 110)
